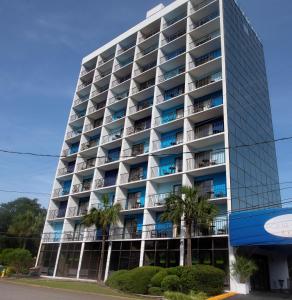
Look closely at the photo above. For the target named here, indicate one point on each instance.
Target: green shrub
(10, 271)
(198, 296)
(20, 259)
(116, 280)
(158, 277)
(177, 296)
(171, 283)
(176, 271)
(134, 281)
(202, 278)
(155, 291)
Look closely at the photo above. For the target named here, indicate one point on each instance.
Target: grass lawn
(75, 286)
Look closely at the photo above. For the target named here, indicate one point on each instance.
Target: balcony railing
(148, 35)
(206, 159)
(124, 63)
(204, 59)
(66, 170)
(170, 95)
(161, 144)
(89, 144)
(90, 163)
(163, 170)
(86, 71)
(56, 214)
(204, 39)
(97, 123)
(173, 37)
(60, 192)
(174, 20)
(200, 5)
(128, 204)
(143, 86)
(84, 85)
(212, 192)
(146, 51)
(201, 106)
(72, 134)
(49, 237)
(121, 80)
(102, 75)
(140, 106)
(157, 199)
(81, 187)
(96, 107)
(126, 48)
(106, 59)
(69, 236)
(171, 74)
(94, 235)
(166, 118)
(205, 130)
(144, 68)
(108, 159)
(69, 151)
(132, 152)
(172, 54)
(161, 230)
(118, 97)
(204, 20)
(76, 211)
(101, 182)
(112, 137)
(137, 128)
(133, 176)
(100, 90)
(112, 118)
(205, 81)
(80, 100)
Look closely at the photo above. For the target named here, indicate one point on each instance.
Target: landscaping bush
(171, 283)
(19, 259)
(10, 271)
(155, 291)
(176, 271)
(158, 277)
(134, 281)
(202, 278)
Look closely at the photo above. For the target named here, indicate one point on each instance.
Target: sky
(41, 48)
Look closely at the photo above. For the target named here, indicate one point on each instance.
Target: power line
(24, 192)
(149, 154)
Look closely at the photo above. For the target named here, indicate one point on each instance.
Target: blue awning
(261, 227)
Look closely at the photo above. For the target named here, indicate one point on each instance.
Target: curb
(223, 296)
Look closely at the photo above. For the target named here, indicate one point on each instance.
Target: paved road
(263, 296)
(10, 291)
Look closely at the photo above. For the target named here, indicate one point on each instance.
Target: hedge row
(156, 280)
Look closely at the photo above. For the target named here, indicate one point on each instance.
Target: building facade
(163, 105)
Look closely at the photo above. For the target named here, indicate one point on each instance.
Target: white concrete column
(57, 260)
(142, 253)
(80, 259)
(108, 259)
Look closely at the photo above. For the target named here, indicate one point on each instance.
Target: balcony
(100, 90)
(144, 68)
(170, 74)
(89, 145)
(69, 151)
(120, 233)
(141, 105)
(210, 191)
(170, 94)
(106, 59)
(80, 100)
(66, 170)
(73, 133)
(205, 130)
(122, 64)
(135, 151)
(60, 192)
(49, 237)
(96, 107)
(121, 80)
(206, 159)
(76, 211)
(160, 230)
(97, 123)
(138, 128)
(126, 48)
(173, 37)
(84, 85)
(169, 117)
(90, 163)
(164, 170)
(204, 39)
(200, 5)
(132, 177)
(157, 200)
(116, 116)
(217, 227)
(86, 70)
(129, 204)
(107, 160)
(56, 214)
(112, 136)
(143, 86)
(101, 182)
(102, 75)
(171, 141)
(205, 81)
(204, 105)
(172, 55)
(148, 35)
(94, 235)
(118, 97)
(81, 187)
(204, 20)
(146, 51)
(72, 236)
(174, 20)
(204, 59)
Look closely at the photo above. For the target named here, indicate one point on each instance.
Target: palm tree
(102, 218)
(193, 208)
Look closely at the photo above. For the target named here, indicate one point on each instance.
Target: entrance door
(260, 281)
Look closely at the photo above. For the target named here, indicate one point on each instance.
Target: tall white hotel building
(164, 104)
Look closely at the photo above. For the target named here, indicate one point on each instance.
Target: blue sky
(42, 44)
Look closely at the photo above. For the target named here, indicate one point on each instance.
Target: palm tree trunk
(100, 267)
(189, 243)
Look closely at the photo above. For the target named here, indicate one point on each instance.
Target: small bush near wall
(181, 296)
(171, 283)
